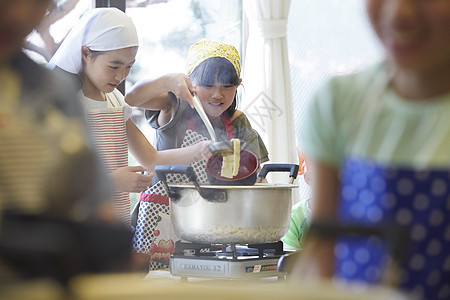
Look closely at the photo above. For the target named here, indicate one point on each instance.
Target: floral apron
(416, 199)
(154, 234)
(109, 130)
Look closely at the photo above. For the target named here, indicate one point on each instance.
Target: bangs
(215, 70)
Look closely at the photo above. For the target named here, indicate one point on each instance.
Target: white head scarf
(100, 29)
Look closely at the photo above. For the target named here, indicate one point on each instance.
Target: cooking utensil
(247, 168)
(229, 214)
(199, 108)
(246, 175)
(216, 147)
(221, 148)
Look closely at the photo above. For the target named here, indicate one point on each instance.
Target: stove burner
(226, 261)
(231, 251)
(195, 249)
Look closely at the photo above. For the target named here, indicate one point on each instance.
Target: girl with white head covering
(99, 29)
(100, 50)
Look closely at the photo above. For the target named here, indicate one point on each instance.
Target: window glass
(326, 38)
(42, 43)
(166, 29)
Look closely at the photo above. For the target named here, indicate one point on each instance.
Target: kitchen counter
(165, 276)
(162, 285)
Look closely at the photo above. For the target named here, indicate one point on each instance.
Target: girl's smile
(216, 98)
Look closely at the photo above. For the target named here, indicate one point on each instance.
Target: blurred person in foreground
(379, 141)
(50, 180)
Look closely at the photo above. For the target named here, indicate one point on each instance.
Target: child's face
(416, 34)
(106, 70)
(216, 98)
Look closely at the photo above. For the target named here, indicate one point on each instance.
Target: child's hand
(130, 180)
(205, 153)
(201, 150)
(182, 87)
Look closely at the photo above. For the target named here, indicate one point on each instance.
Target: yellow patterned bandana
(201, 51)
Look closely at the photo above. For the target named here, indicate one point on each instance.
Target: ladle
(219, 148)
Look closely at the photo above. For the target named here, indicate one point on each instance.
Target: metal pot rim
(256, 186)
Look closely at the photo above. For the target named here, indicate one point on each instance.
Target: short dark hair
(217, 70)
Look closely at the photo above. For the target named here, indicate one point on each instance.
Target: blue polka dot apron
(154, 234)
(419, 200)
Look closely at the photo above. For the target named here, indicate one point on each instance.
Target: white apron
(110, 136)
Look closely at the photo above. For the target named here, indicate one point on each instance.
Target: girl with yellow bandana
(213, 73)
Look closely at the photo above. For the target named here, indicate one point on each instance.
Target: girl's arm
(325, 184)
(148, 157)
(324, 207)
(319, 251)
(154, 94)
(160, 94)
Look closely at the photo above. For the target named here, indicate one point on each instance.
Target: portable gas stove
(226, 261)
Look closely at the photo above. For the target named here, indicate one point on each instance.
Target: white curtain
(266, 79)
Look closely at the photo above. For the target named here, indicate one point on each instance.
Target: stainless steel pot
(230, 214)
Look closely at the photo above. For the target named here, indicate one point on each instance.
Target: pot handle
(291, 168)
(162, 170)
